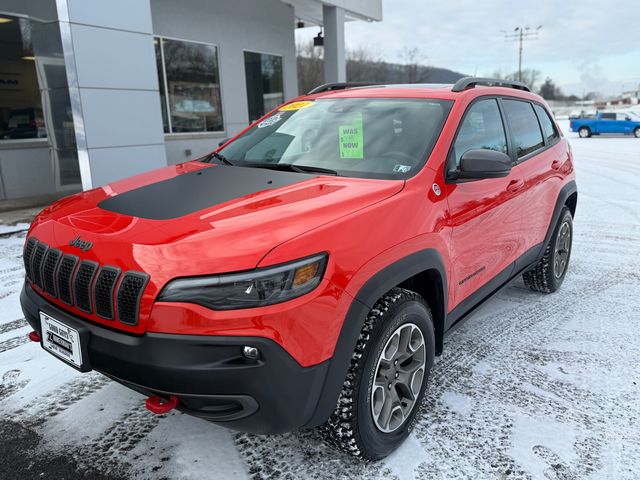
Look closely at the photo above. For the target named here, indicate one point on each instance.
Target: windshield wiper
(292, 168)
(218, 156)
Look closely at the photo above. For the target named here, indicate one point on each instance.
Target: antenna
(521, 34)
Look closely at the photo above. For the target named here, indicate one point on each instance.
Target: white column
(113, 87)
(335, 67)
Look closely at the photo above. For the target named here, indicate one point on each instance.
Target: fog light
(251, 353)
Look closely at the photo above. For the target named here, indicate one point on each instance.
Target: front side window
(524, 127)
(359, 137)
(264, 83)
(481, 128)
(548, 127)
(191, 93)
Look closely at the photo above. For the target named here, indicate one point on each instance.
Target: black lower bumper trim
(208, 374)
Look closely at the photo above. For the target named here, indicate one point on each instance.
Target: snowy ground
(533, 386)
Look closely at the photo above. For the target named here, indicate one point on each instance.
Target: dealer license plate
(61, 340)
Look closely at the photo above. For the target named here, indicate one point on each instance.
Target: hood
(198, 219)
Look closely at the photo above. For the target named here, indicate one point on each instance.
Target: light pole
(521, 34)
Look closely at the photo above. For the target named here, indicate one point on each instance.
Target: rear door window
(548, 127)
(524, 127)
(481, 128)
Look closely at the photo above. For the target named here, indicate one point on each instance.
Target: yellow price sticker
(296, 106)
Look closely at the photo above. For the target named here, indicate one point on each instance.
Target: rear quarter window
(548, 127)
(524, 127)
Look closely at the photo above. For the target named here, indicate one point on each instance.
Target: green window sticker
(351, 139)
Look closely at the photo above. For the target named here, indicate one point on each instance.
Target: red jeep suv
(306, 273)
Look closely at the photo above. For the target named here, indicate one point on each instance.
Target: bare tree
(413, 61)
(530, 76)
(362, 66)
(310, 66)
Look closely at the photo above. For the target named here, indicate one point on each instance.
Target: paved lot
(533, 386)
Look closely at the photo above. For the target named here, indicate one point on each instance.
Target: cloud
(466, 35)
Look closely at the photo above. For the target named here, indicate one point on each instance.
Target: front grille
(28, 253)
(103, 291)
(82, 285)
(36, 264)
(65, 276)
(72, 281)
(129, 294)
(49, 271)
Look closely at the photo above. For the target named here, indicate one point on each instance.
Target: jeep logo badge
(81, 244)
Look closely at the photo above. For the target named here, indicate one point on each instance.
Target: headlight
(263, 286)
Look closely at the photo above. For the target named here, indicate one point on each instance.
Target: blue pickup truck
(606, 122)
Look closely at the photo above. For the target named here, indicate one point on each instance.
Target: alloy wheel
(562, 250)
(398, 377)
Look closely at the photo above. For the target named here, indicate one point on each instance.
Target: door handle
(556, 164)
(515, 185)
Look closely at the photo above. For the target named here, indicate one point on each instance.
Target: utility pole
(521, 34)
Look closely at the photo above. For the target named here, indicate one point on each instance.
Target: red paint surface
(364, 225)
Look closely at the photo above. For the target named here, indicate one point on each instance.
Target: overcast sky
(586, 45)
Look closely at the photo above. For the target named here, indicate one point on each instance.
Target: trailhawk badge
(81, 244)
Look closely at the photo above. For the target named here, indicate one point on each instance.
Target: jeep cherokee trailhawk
(306, 272)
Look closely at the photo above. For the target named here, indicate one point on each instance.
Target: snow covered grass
(532, 386)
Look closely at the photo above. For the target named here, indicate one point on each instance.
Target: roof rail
(327, 87)
(472, 82)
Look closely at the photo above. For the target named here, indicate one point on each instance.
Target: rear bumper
(208, 374)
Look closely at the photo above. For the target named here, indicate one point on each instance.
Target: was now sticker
(351, 139)
(296, 106)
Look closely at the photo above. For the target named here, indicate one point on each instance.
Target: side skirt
(469, 305)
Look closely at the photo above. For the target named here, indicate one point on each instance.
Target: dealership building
(92, 91)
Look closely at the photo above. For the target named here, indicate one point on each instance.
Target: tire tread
(341, 429)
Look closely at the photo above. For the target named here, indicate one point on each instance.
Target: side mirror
(480, 163)
(222, 142)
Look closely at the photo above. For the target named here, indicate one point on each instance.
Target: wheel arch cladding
(568, 197)
(426, 272)
(572, 203)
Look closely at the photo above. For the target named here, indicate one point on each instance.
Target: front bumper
(208, 374)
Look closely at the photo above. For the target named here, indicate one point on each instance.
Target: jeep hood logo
(81, 244)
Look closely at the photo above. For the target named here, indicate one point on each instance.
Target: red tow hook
(159, 405)
(34, 336)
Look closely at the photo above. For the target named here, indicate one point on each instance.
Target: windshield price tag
(351, 139)
(296, 106)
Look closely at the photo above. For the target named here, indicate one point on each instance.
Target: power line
(521, 34)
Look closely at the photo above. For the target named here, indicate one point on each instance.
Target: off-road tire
(351, 427)
(586, 130)
(542, 277)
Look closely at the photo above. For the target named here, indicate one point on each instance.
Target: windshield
(359, 137)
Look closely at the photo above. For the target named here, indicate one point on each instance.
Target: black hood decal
(194, 191)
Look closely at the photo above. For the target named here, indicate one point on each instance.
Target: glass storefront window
(20, 103)
(264, 83)
(189, 86)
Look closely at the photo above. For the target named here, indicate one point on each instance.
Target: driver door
(485, 215)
